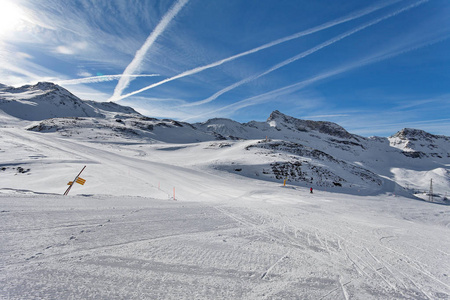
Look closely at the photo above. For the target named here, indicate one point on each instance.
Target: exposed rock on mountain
(279, 120)
(418, 143)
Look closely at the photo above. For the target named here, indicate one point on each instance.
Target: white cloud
(65, 50)
(23, 55)
(71, 49)
(83, 73)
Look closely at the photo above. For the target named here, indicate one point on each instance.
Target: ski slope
(226, 235)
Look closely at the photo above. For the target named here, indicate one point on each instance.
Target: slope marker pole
(73, 182)
(430, 193)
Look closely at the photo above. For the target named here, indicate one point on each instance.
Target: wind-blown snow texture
(234, 231)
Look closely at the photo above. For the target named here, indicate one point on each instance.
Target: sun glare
(11, 16)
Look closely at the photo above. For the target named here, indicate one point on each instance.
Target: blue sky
(373, 67)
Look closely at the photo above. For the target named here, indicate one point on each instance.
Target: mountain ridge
(308, 153)
(47, 90)
(46, 100)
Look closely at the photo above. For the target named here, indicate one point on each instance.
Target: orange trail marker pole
(174, 194)
(73, 182)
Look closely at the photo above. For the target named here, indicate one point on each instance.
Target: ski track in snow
(226, 237)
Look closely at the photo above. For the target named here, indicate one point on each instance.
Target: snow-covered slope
(307, 153)
(46, 100)
(123, 128)
(42, 101)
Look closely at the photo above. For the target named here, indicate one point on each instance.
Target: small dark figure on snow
(311, 190)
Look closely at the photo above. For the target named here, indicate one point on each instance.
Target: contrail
(278, 92)
(305, 53)
(345, 19)
(140, 54)
(100, 78)
(268, 96)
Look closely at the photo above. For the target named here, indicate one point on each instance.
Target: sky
(373, 67)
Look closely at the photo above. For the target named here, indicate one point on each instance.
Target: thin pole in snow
(430, 195)
(73, 182)
(174, 194)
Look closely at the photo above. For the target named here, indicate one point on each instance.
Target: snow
(187, 212)
(267, 243)
(43, 100)
(122, 236)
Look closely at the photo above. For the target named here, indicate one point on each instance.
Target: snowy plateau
(172, 210)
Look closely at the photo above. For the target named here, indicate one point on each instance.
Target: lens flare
(11, 17)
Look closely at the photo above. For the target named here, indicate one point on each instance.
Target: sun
(11, 16)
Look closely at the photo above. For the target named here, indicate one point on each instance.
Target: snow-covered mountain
(46, 100)
(418, 143)
(305, 153)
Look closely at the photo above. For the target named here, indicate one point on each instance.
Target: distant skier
(311, 190)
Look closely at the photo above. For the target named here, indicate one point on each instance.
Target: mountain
(305, 153)
(418, 143)
(278, 125)
(46, 100)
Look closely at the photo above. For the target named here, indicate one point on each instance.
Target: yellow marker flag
(70, 183)
(80, 180)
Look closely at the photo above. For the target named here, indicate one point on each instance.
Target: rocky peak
(43, 85)
(40, 88)
(329, 128)
(421, 143)
(415, 134)
(50, 87)
(277, 115)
